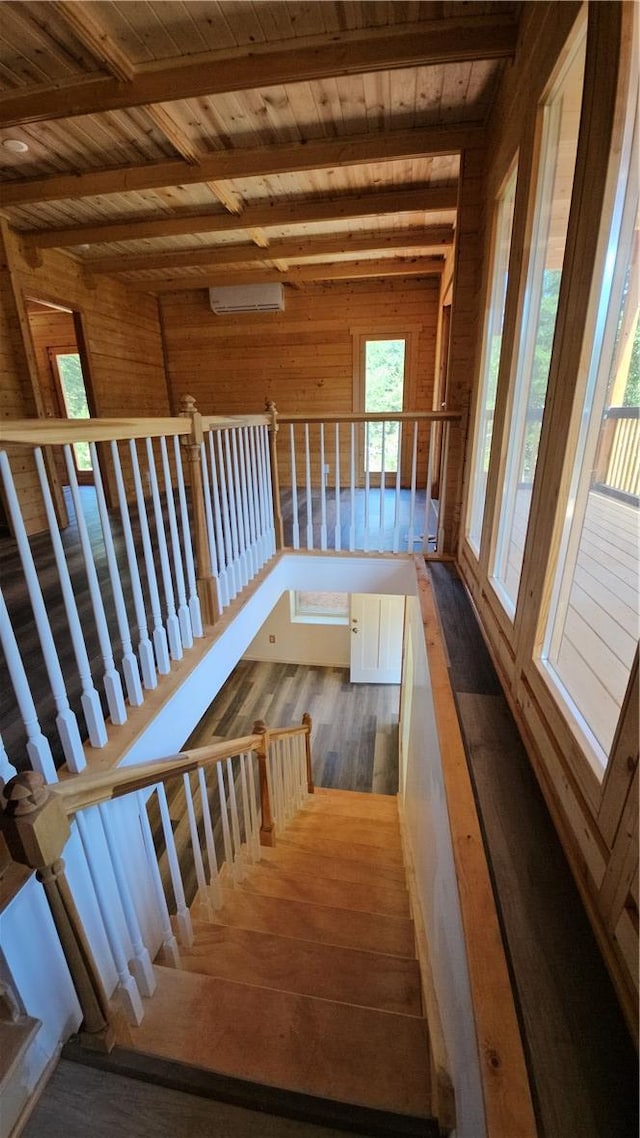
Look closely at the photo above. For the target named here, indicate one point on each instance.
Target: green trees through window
(384, 391)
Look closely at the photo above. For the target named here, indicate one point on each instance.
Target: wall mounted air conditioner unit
(247, 298)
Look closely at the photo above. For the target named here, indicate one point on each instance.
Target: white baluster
(145, 649)
(172, 622)
(280, 778)
(352, 520)
(7, 769)
(428, 503)
(252, 563)
(323, 493)
(253, 804)
(214, 517)
(198, 863)
(140, 964)
(235, 821)
(184, 616)
(183, 916)
(170, 951)
(111, 677)
(245, 809)
(160, 643)
(266, 466)
(224, 818)
(194, 600)
(38, 748)
(214, 884)
(367, 485)
(129, 661)
(383, 429)
(223, 532)
(258, 496)
(397, 501)
(294, 489)
(307, 467)
(442, 483)
(337, 537)
(127, 991)
(66, 722)
(240, 507)
(272, 786)
(89, 699)
(412, 499)
(254, 495)
(239, 567)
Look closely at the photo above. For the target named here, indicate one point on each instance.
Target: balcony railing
(617, 466)
(106, 587)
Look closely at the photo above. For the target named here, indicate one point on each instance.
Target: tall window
(592, 627)
(384, 370)
(491, 349)
(74, 395)
(561, 118)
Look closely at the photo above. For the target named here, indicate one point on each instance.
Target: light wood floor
(355, 726)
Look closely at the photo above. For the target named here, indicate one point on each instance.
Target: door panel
(376, 638)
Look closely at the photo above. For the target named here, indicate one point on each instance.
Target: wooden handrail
(88, 789)
(371, 417)
(54, 432)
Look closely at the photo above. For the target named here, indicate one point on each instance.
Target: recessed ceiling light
(15, 145)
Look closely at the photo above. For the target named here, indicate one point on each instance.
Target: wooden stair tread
(323, 923)
(323, 865)
(15, 1037)
(351, 804)
(380, 834)
(315, 841)
(348, 975)
(276, 881)
(314, 1046)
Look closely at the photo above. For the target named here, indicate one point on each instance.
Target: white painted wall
(426, 817)
(296, 642)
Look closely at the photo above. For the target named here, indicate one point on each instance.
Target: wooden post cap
(187, 404)
(24, 793)
(33, 821)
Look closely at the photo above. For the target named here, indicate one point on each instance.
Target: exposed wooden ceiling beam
(423, 43)
(280, 213)
(227, 165)
(345, 270)
(88, 30)
(431, 239)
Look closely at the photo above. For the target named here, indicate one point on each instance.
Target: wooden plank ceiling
(182, 143)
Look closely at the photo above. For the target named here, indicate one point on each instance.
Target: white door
(377, 624)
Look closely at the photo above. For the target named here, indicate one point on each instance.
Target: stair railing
(203, 815)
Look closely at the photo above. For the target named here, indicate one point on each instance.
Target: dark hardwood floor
(355, 726)
(582, 1062)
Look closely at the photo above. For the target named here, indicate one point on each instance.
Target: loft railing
(126, 576)
(234, 796)
(361, 481)
(617, 466)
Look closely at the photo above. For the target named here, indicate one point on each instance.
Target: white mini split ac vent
(247, 298)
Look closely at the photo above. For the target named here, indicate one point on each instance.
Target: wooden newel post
(267, 827)
(275, 473)
(306, 722)
(205, 581)
(36, 828)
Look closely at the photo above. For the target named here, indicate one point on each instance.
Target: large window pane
(553, 198)
(384, 367)
(491, 349)
(592, 628)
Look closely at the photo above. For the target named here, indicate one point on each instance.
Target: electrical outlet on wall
(272, 638)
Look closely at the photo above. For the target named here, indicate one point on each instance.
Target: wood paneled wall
(122, 338)
(301, 358)
(596, 820)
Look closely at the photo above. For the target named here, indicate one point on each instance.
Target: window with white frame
(319, 608)
(593, 621)
(558, 148)
(491, 350)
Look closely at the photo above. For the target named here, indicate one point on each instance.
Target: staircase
(304, 979)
